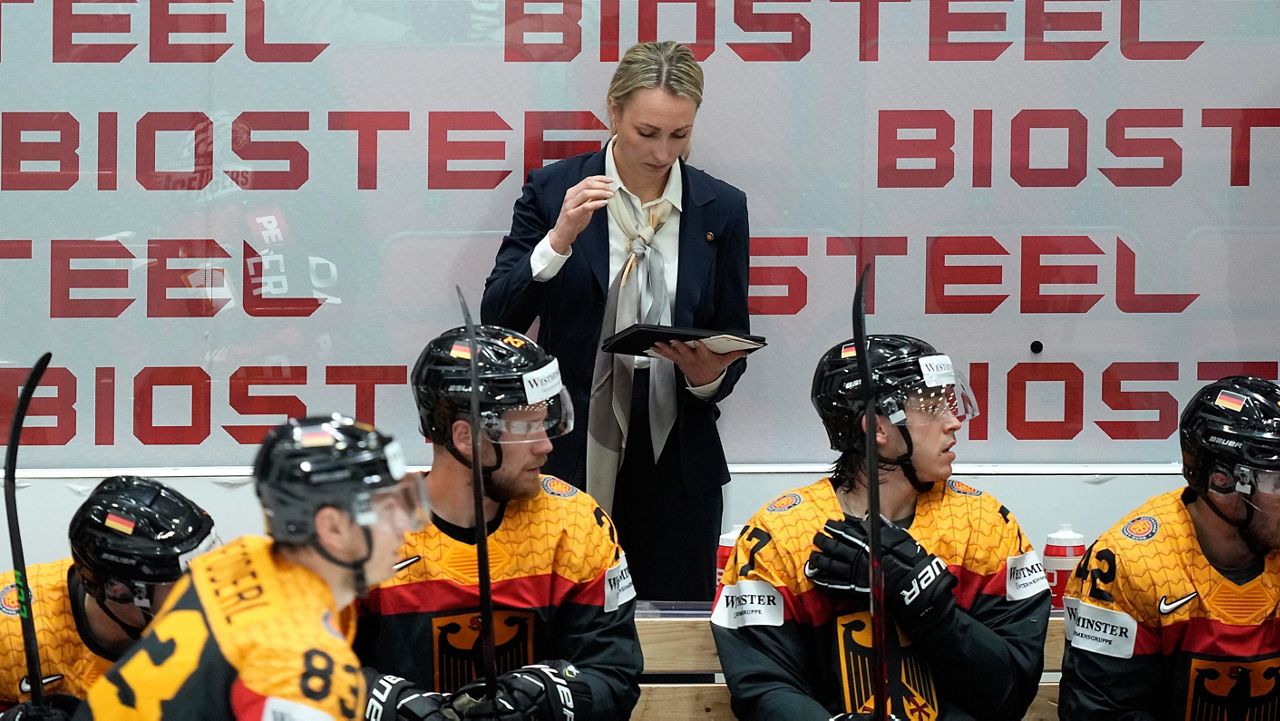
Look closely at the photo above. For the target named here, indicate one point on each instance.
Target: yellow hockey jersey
(793, 650)
(246, 634)
(1154, 630)
(69, 659)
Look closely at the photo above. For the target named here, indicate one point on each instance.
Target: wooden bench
(684, 645)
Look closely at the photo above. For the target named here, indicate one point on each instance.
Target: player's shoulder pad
(795, 516)
(971, 528)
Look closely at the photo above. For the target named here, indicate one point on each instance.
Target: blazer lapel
(697, 255)
(593, 242)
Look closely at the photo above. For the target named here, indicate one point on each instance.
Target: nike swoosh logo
(1167, 607)
(407, 562)
(24, 685)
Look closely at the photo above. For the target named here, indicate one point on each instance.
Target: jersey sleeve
(988, 656)
(594, 626)
(763, 634)
(1111, 666)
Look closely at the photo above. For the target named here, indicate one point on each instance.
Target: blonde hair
(667, 65)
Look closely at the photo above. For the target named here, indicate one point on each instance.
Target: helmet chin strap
(486, 472)
(904, 461)
(356, 567)
(130, 630)
(1242, 524)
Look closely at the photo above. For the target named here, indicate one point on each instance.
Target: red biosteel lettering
(104, 407)
(704, 24)
(866, 249)
(1128, 300)
(520, 23)
(256, 47)
(200, 288)
(146, 430)
(1214, 370)
(246, 403)
(440, 150)
(63, 279)
(61, 406)
(165, 24)
(366, 379)
(869, 28)
(939, 274)
(367, 124)
(791, 278)
(67, 24)
(1039, 20)
(253, 296)
(1077, 127)
(14, 151)
(943, 21)
(1072, 422)
(794, 25)
(290, 152)
(201, 129)
(107, 150)
(538, 150)
(1242, 121)
(892, 147)
(1134, 47)
(1118, 399)
(980, 384)
(1166, 150)
(1036, 275)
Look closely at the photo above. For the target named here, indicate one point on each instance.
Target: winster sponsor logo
(1167, 607)
(937, 371)
(278, 709)
(1024, 577)
(543, 383)
(1089, 628)
(748, 603)
(618, 586)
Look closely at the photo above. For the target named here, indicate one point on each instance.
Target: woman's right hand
(580, 202)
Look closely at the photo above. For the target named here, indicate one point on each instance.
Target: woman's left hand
(698, 364)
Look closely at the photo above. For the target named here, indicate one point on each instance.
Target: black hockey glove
(60, 708)
(547, 691)
(392, 698)
(917, 583)
(860, 717)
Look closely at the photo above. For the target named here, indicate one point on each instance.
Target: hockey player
(250, 632)
(1174, 613)
(564, 627)
(963, 587)
(131, 540)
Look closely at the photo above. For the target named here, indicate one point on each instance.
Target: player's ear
(461, 436)
(331, 526)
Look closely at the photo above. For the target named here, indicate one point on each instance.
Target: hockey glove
(917, 583)
(860, 717)
(60, 708)
(547, 691)
(392, 698)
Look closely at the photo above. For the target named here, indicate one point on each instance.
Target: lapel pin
(710, 236)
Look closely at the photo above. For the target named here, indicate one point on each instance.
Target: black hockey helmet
(133, 534)
(903, 369)
(1232, 426)
(515, 374)
(906, 372)
(311, 463)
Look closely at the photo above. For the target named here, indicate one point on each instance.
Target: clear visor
(943, 403)
(1260, 480)
(144, 595)
(402, 507)
(547, 419)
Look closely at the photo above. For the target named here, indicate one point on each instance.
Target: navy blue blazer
(711, 292)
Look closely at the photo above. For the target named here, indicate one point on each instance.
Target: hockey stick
(488, 656)
(29, 647)
(879, 658)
